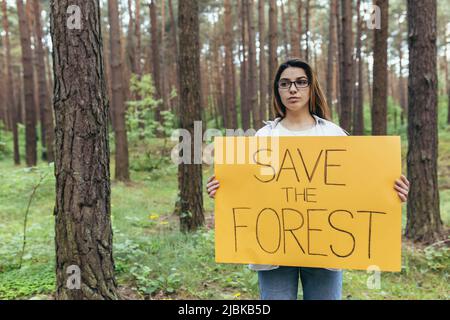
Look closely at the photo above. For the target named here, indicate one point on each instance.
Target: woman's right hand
(212, 186)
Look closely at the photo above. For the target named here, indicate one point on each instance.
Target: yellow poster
(324, 202)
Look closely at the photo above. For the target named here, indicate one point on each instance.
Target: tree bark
(10, 89)
(44, 101)
(131, 44)
(28, 82)
(263, 83)
(299, 25)
(284, 30)
(331, 53)
(295, 36)
(190, 179)
(117, 100)
(380, 77)
(306, 30)
(346, 68)
(273, 45)
(174, 33)
(424, 223)
(83, 235)
(252, 68)
(245, 110)
(228, 42)
(358, 116)
(156, 66)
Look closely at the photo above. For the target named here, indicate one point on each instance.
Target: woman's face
(294, 96)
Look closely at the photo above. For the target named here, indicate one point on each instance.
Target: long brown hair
(317, 103)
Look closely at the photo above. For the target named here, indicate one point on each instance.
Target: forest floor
(155, 261)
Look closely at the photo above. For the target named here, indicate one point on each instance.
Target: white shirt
(275, 128)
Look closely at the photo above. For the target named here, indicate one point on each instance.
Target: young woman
(301, 110)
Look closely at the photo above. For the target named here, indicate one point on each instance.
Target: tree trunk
(273, 45)
(28, 82)
(263, 105)
(306, 30)
(44, 102)
(83, 235)
(295, 37)
(424, 223)
(245, 111)
(137, 35)
(252, 73)
(10, 89)
(228, 42)
(131, 45)
(401, 82)
(380, 78)
(358, 116)
(165, 94)
(190, 180)
(346, 69)
(284, 31)
(117, 99)
(299, 24)
(173, 33)
(331, 53)
(155, 57)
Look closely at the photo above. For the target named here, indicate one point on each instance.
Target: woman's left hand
(402, 187)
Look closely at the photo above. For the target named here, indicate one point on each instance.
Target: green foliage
(142, 126)
(140, 114)
(28, 281)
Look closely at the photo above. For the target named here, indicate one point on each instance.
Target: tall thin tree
(228, 42)
(190, 175)
(263, 83)
(44, 101)
(380, 74)
(358, 116)
(122, 172)
(424, 223)
(244, 97)
(346, 67)
(331, 53)
(156, 64)
(10, 88)
(295, 36)
(252, 70)
(28, 85)
(273, 43)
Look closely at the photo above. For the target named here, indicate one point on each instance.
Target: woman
(301, 110)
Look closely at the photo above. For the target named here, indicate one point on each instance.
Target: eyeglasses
(286, 84)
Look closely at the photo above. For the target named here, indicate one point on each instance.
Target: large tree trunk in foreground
(83, 193)
(190, 175)
(424, 223)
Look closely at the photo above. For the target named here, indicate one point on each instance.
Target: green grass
(154, 260)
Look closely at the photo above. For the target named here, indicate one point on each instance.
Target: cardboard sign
(324, 202)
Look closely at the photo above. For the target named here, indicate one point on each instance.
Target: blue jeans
(317, 283)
